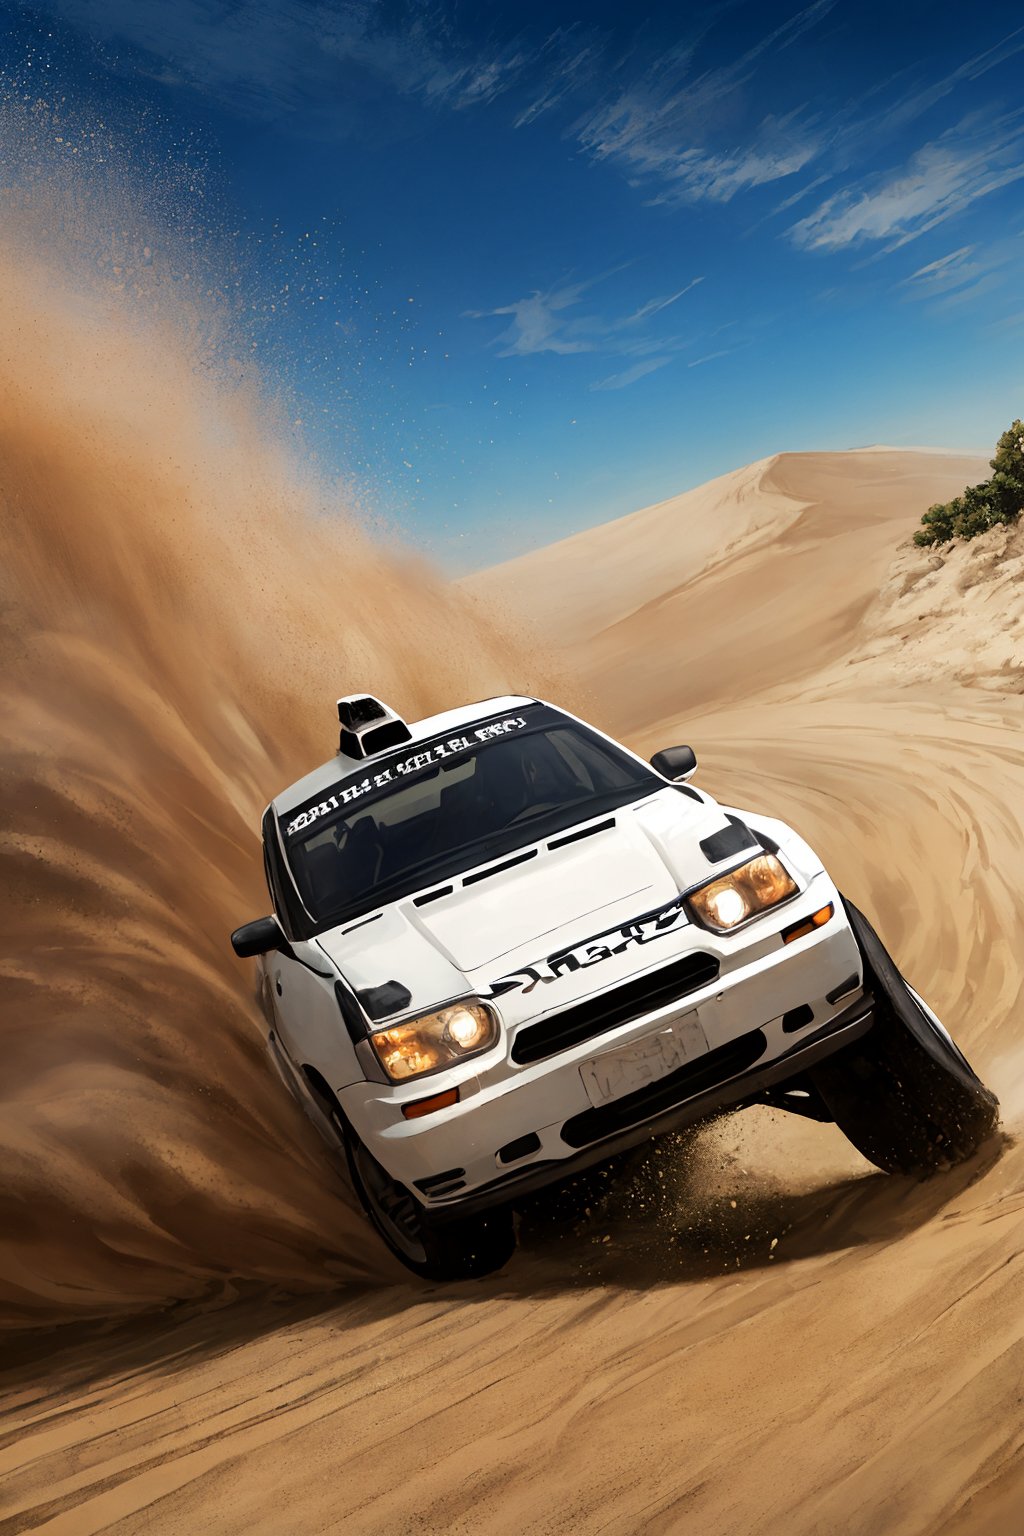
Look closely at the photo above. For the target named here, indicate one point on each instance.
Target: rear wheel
(459, 1250)
(904, 1095)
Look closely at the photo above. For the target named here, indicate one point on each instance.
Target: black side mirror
(675, 762)
(257, 938)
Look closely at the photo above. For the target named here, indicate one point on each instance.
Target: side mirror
(257, 938)
(675, 763)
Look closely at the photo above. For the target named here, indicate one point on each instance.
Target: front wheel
(904, 1095)
(458, 1250)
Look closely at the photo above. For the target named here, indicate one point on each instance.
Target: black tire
(457, 1250)
(904, 1094)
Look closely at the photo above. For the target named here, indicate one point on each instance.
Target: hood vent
(368, 726)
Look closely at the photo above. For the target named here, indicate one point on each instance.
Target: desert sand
(758, 1332)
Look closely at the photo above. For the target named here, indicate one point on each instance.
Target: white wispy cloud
(963, 275)
(886, 114)
(537, 323)
(710, 357)
(541, 322)
(672, 127)
(798, 197)
(659, 127)
(944, 274)
(631, 375)
(774, 154)
(267, 61)
(553, 321)
(655, 306)
(682, 133)
(940, 180)
(565, 62)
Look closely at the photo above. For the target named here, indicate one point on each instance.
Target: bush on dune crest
(999, 500)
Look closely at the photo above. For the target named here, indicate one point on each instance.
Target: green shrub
(999, 500)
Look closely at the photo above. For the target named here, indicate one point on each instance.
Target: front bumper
(849, 1025)
(767, 1017)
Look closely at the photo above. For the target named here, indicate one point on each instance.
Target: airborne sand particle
(181, 606)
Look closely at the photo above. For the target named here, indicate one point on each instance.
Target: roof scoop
(368, 726)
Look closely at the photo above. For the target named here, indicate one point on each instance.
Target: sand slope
(582, 585)
(667, 1367)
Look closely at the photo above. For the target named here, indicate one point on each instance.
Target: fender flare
(883, 976)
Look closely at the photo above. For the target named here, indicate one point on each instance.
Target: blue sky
(536, 266)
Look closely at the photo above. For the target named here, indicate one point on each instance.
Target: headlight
(436, 1040)
(752, 888)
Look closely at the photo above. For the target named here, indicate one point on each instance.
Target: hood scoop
(368, 726)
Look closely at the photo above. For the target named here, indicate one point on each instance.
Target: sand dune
(663, 1367)
(578, 586)
(583, 585)
(650, 622)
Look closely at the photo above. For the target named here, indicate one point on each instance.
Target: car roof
(341, 767)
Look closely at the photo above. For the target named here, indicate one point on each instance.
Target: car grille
(619, 1006)
(696, 1077)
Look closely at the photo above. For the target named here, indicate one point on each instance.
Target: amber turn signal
(807, 925)
(420, 1107)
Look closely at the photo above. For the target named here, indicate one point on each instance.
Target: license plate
(643, 1061)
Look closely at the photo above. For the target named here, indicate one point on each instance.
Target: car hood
(553, 895)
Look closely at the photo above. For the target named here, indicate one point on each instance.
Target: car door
(300, 989)
(310, 1026)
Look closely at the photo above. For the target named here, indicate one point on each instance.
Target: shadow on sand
(660, 1225)
(653, 1224)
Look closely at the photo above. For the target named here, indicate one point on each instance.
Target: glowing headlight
(436, 1040)
(752, 888)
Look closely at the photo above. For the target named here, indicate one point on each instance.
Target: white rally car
(505, 948)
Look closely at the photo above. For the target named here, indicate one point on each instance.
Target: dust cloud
(181, 604)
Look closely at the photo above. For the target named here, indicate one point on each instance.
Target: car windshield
(533, 775)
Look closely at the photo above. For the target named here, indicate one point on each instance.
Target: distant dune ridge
(753, 581)
(578, 586)
(581, 585)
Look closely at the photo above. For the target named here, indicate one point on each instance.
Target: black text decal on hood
(642, 930)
